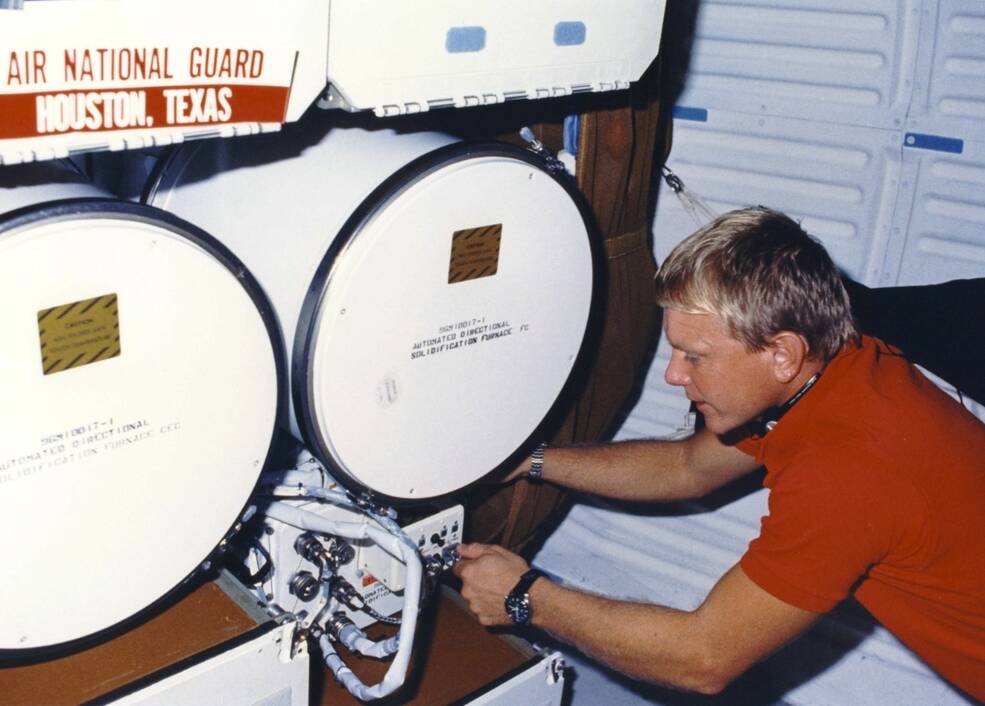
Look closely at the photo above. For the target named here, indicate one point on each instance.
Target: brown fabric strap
(620, 144)
(626, 243)
(518, 502)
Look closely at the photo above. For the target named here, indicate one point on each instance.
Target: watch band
(527, 580)
(536, 472)
(517, 602)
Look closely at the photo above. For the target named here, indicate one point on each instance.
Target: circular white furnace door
(140, 392)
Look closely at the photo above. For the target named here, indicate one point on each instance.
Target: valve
(304, 585)
(333, 554)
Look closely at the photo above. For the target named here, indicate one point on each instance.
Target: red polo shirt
(877, 489)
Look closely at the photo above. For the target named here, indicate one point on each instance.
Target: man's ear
(788, 353)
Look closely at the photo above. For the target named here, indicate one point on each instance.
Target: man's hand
(501, 478)
(519, 472)
(488, 574)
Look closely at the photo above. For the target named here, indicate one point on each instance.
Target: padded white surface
(945, 235)
(842, 62)
(840, 181)
(948, 90)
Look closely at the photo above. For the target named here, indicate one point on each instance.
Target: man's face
(729, 384)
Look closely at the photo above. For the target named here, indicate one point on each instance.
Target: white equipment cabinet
(435, 296)
(142, 431)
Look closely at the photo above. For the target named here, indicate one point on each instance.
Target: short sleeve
(821, 535)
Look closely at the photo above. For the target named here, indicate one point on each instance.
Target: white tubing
(342, 673)
(357, 641)
(337, 497)
(397, 545)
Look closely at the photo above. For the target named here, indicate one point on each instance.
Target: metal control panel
(367, 579)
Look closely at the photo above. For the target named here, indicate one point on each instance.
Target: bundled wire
(388, 535)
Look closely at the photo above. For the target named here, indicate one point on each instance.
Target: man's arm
(646, 470)
(703, 650)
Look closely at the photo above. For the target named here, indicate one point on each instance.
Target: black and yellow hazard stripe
(80, 333)
(475, 253)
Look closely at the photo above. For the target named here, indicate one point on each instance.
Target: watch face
(518, 609)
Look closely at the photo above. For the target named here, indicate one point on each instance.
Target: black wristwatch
(517, 601)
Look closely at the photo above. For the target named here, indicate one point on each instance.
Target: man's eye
(691, 357)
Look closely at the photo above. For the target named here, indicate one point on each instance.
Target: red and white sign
(91, 89)
(79, 75)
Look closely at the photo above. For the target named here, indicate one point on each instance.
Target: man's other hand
(519, 472)
(488, 574)
(508, 476)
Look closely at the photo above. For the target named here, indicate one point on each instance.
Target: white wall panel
(840, 181)
(662, 409)
(945, 237)
(845, 62)
(949, 86)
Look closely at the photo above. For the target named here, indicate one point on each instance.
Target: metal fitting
(304, 585)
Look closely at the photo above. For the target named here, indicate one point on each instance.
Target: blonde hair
(761, 273)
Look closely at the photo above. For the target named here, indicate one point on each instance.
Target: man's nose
(676, 373)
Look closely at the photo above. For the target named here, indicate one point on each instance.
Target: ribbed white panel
(949, 89)
(662, 409)
(846, 62)
(945, 237)
(839, 181)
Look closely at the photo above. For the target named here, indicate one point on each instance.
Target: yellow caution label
(79, 333)
(475, 253)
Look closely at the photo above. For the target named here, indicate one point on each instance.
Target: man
(876, 477)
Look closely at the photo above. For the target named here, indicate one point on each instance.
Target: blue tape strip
(933, 142)
(461, 40)
(572, 127)
(682, 112)
(569, 34)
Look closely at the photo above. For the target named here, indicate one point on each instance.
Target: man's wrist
(540, 600)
